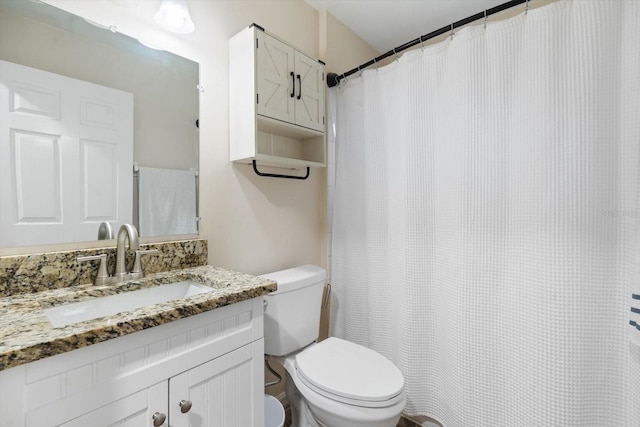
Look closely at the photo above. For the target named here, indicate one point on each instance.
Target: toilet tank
(292, 313)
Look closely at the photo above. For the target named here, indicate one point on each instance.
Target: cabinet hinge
(257, 98)
(323, 76)
(256, 42)
(322, 119)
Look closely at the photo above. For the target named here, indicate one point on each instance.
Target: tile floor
(406, 423)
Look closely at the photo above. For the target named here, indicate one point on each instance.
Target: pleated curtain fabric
(486, 227)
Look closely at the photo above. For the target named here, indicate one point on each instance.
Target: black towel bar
(273, 175)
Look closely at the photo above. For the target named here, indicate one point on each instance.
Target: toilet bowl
(339, 383)
(333, 383)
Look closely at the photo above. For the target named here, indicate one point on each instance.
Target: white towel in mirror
(167, 202)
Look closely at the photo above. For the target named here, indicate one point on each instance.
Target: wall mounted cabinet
(276, 102)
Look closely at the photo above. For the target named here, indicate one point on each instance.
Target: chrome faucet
(130, 232)
(127, 232)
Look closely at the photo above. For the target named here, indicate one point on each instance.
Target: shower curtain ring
(485, 19)
(421, 44)
(526, 9)
(451, 31)
(395, 53)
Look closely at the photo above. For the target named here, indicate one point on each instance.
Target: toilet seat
(349, 373)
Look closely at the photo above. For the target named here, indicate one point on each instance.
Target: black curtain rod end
(333, 79)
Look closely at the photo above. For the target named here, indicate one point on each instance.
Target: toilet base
(301, 416)
(318, 411)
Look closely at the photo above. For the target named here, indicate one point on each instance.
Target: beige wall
(340, 48)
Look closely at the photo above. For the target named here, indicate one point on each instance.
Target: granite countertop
(26, 335)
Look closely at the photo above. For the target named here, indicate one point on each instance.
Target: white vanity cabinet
(219, 391)
(276, 102)
(205, 370)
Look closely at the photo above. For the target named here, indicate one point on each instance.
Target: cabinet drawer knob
(185, 406)
(158, 419)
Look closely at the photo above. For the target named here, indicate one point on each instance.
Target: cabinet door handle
(300, 86)
(158, 419)
(293, 85)
(185, 406)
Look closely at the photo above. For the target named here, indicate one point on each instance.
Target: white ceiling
(386, 24)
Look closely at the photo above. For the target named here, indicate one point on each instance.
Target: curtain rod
(333, 79)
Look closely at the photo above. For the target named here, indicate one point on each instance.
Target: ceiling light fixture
(173, 15)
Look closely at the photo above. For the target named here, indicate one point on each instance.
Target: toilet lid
(344, 369)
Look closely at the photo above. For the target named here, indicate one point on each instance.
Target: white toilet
(333, 383)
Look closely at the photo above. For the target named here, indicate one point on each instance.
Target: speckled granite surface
(53, 270)
(26, 335)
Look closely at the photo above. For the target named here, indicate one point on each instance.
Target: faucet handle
(102, 276)
(137, 272)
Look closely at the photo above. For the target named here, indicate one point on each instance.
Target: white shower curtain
(486, 219)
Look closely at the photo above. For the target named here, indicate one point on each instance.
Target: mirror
(164, 92)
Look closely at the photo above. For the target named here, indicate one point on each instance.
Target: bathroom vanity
(195, 361)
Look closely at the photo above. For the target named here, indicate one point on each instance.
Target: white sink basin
(69, 314)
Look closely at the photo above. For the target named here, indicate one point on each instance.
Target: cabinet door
(275, 64)
(225, 392)
(136, 410)
(309, 97)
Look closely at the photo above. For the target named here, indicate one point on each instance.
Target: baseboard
(287, 408)
(282, 397)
